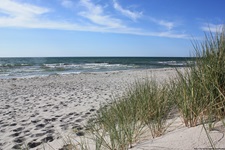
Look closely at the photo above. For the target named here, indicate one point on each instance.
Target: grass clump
(199, 91)
(122, 124)
(154, 105)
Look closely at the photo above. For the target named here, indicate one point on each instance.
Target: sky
(76, 28)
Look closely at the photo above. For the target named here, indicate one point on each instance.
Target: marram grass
(199, 91)
(120, 125)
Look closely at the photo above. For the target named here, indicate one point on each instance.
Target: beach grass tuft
(122, 123)
(199, 91)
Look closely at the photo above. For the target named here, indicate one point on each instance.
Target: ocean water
(29, 67)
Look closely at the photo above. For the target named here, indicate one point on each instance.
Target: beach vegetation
(199, 90)
(143, 108)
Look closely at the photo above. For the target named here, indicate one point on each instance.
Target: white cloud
(67, 3)
(14, 9)
(20, 14)
(25, 15)
(212, 27)
(155, 34)
(96, 14)
(166, 24)
(126, 12)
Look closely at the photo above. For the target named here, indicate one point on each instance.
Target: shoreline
(77, 73)
(35, 110)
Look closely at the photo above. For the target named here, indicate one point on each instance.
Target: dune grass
(199, 92)
(122, 123)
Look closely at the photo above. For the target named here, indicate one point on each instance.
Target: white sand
(33, 110)
(182, 138)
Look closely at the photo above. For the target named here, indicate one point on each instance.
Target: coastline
(39, 109)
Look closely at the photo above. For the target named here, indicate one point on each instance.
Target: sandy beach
(39, 109)
(77, 75)
(42, 109)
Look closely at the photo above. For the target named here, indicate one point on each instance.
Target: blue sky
(48, 28)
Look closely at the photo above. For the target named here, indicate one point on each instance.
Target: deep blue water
(25, 67)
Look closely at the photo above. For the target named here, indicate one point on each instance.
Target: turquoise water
(26, 67)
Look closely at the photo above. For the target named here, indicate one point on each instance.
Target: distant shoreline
(80, 73)
(28, 67)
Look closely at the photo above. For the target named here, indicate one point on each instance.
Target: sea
(45, 66)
